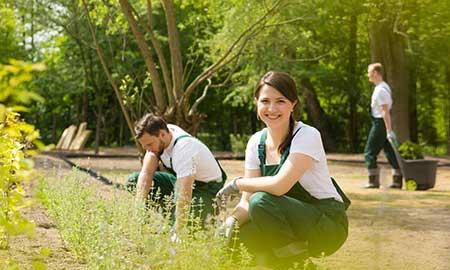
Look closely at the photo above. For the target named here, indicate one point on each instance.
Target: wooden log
(76, 138)
(81, 140)
(67, 140)
(61, 139)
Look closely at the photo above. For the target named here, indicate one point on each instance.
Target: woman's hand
(228, 189)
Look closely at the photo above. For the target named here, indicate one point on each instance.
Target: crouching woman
(290, 208)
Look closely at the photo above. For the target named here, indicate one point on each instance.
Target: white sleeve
(382, 96)
(307, 141)
(185, 158)
(251, 153)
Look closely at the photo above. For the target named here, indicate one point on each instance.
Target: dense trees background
(196, 62)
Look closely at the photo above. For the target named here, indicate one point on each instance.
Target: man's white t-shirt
(381, 95)
(190, 157)
(307, 141)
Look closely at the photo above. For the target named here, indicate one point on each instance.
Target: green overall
(203, 194)
(277, 222)
(375, 142)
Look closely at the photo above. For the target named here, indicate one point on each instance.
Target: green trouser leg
(277, 221)
(375, 142)
(164, 184)
(203, 202)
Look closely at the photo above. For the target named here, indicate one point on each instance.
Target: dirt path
(388, 229)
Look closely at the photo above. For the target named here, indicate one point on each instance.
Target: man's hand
(228, 189)
(392, 137)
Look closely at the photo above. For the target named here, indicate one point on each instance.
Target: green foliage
(410, 150)
(16, 136)
(316, 45)
(9, 34)
(105, 234)
(238, 143)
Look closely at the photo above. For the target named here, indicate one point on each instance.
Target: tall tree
(180, 109)
(388, 44)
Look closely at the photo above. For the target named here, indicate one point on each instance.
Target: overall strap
(262, 149)
(174, 143)
(224, 175)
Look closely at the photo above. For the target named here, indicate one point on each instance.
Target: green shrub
(213, 141)
(238, 143)
(16, 136)
(410, 150)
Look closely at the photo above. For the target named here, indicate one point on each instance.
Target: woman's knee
(260, 201)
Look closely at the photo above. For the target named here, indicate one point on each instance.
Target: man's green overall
(203, 194)
(375, 142)
(277, 223)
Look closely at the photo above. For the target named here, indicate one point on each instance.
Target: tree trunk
(448, 108)
(161, 102)
(413, 105)
(54, 139)
(110, 79)
(352, 85)
(160, 54)
(388, 48)
(316, 113)
(175, 52)
(98, 126)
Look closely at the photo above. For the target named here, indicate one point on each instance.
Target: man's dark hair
(150, 124)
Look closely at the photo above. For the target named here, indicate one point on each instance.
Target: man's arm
(386, 117)
(145, 180)
(183, 199)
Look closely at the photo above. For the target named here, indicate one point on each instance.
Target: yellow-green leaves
(16, 137)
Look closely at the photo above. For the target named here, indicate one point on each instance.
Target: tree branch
(159, 52)
(286, 22)
(175, 51)
(218, 64)
(145, 51)
(109, 76)
(200, 99)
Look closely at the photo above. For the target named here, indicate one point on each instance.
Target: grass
(105, 233)
(389, 229)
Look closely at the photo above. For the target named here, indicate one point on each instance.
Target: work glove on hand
(392, 137)
(227, 228)
(228, 189)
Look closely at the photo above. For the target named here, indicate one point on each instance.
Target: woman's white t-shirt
(306, 141)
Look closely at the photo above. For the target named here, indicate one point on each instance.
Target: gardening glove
(227, 228)
(174, 236)
(392, 137)
(228, 189)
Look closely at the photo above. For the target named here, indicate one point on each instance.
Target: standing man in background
(381, 131)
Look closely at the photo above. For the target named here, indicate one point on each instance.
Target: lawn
(389, 229)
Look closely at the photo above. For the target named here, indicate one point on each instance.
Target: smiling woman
(290, 207)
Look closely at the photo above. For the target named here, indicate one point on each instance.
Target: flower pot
(422, 172)
(419, 174)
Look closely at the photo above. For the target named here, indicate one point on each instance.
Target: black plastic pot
(419, 174)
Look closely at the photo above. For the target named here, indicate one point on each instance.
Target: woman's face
(273, 108)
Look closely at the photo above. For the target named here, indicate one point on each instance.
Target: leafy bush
(105, 234)
(410, 150)
(15, 138)
(238, 143)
